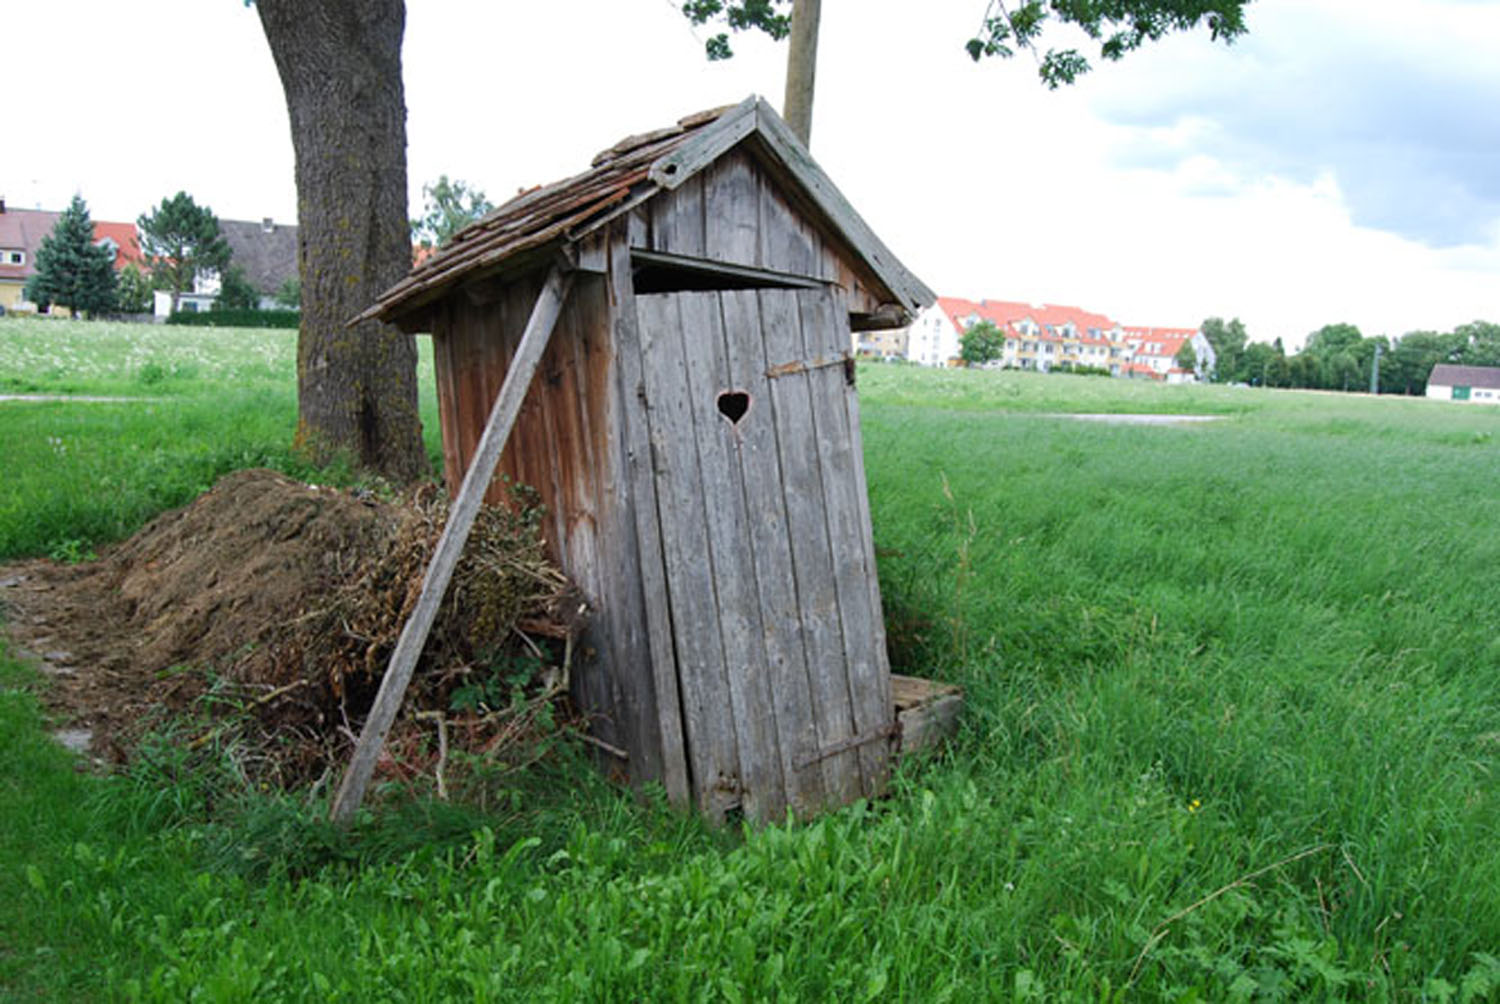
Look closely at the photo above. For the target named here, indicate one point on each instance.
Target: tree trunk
(801, 68)
(340, 66)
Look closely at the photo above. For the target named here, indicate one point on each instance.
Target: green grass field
(204, 401)
(1232, 730)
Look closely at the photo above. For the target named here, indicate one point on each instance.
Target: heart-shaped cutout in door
(733, 405)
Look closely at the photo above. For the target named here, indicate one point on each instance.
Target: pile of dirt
(265, 612)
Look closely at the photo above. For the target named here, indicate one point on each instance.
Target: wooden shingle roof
(623, 177)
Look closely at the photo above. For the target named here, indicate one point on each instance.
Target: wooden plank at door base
(451, 544)
(926, 711)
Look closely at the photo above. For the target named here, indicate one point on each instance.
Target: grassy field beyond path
(1232, 733)
(202, 402)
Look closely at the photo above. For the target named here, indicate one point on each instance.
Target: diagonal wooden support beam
(451, 545)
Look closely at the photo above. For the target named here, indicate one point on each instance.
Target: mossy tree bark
(340, 67)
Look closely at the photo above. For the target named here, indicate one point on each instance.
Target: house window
(15, 257)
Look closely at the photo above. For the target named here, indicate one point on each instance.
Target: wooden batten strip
(451, 545)
(706, 145)
(651, 565)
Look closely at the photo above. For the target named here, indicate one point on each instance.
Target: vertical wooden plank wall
(865, 542)
(736, 649)
(708, 720)
(565, 445)
(807, 530)
(654, 662)
(734, 212)
(819, 645)
(824, 336)
(770, 555)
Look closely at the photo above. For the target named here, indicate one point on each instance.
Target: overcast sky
(1339, 163)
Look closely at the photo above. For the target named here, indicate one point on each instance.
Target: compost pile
(260, 618)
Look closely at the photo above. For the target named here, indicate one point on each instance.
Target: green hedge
(238, 318)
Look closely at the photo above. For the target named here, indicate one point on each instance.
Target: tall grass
(1276, 628)
(42, 355)
(1231, 733)
(199, 402)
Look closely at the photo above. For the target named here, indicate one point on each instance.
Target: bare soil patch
(1122, 418)
(264, 613)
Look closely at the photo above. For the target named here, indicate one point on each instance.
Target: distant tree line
(1339, 357)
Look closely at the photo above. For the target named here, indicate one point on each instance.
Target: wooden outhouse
(693, 429)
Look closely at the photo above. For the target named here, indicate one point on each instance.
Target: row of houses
(21, 234)
(1046, 337)
(266, 251)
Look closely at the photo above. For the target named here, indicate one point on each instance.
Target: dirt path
(86, 398)
(1118, 419)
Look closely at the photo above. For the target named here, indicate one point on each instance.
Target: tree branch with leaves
(1115, 26)
(448, 207)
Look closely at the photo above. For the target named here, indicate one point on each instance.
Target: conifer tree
(183, 243)
(70, 270)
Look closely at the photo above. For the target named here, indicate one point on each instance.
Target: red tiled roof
(1168, 340)
(1159, 343)
(1050, 319)
(25, 229)
(128, 249)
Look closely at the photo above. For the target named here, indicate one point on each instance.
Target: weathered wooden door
(779, 644)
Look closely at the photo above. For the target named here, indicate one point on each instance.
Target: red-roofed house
(1039, 338)
(21, 234)
(1053, 336)
(1154, 351)
(932, 338)
(123, 244)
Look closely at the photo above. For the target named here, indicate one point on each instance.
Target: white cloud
(1397, 99)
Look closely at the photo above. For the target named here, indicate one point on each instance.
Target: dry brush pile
(259, 619)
